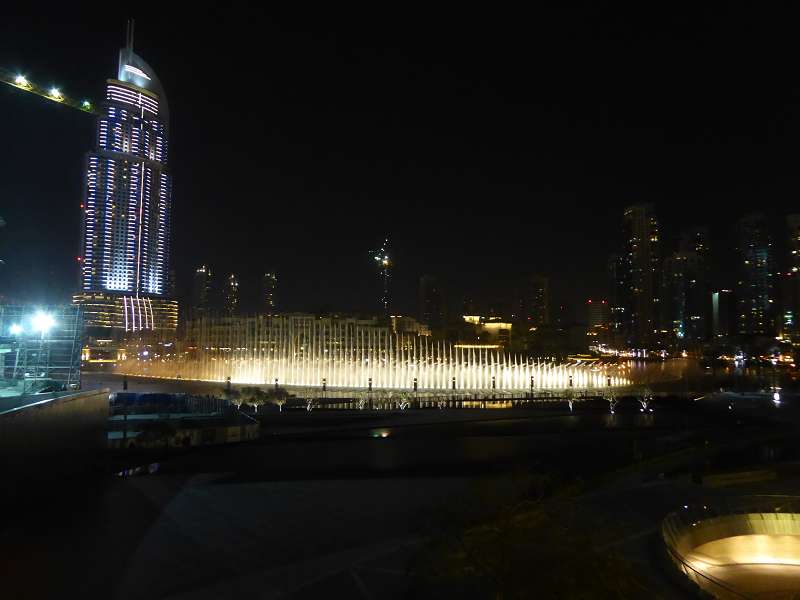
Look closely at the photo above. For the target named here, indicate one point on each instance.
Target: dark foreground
(342, 504)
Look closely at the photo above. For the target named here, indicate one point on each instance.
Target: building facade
(789, 279)
(637, 274)
(598, 313)
(202, 291)
(684, 298)
(230, 295)
(269, 292)
(126, 208)
(723, 311)
(535, 300)
(432, 304)
(754, 293)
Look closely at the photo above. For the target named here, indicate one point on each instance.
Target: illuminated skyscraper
(230, 295)
(789, 279)
(755, 289)
(640, 270)
(269, 292)
(202, 291)
(127, 206)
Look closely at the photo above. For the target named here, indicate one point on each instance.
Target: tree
(254, 396)
(232, 395)
(277, 396)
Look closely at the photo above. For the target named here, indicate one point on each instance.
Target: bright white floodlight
(15, 329)
(42, 322)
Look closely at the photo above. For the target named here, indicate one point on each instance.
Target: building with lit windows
(598, 313)
(636, 274)
(269, 292)
(230, 295)
(202, 290)
(754, 291)
(789, 279)
(535, 300)
(126, 207)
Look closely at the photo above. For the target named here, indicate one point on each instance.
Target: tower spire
(129, 34)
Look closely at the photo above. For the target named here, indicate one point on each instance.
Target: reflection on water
(686, 374)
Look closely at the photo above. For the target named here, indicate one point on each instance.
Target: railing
(679, 525)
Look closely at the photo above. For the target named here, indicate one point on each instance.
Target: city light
(55, 94)
(15, 329)
(22, 81)
(42, 322)
(86, 105)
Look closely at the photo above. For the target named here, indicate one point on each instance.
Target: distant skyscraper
(535, 301)
(598, 313)
(695, 242)
(618, 301)
(683, 298)
(723, 312)
(641, 263)
(202, 291)
(432, 304)
(754, 291)
(790, 278)
(127, 206)
(269, 291)
(230, 295)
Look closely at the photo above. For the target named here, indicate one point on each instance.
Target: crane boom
(53, 94)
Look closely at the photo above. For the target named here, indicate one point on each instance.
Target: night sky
(486, 144)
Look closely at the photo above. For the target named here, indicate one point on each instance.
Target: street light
(15, 329)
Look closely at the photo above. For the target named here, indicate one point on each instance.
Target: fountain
(349, 353)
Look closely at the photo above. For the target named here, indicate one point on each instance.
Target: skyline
(331, 188)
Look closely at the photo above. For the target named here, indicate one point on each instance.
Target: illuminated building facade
(202, 291)
(598, 313)
(230, 294)
(637, 278)
(754, 291)
(790, 279)
(126, 207)
(269, 292)
(683, 302)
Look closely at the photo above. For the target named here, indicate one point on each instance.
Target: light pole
(42, 323)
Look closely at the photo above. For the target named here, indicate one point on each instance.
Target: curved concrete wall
(686, 532)
(687, 538)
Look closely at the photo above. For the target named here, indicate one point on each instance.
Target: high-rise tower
(127, 206)
(269, 292)
(230, 295)
(202, 291)
(642, 263)
(754, 294)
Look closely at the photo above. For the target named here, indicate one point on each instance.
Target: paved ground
(328, 515)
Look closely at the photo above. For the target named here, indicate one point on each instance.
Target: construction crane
(53, 94)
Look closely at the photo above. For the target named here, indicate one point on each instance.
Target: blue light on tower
(127, 201)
